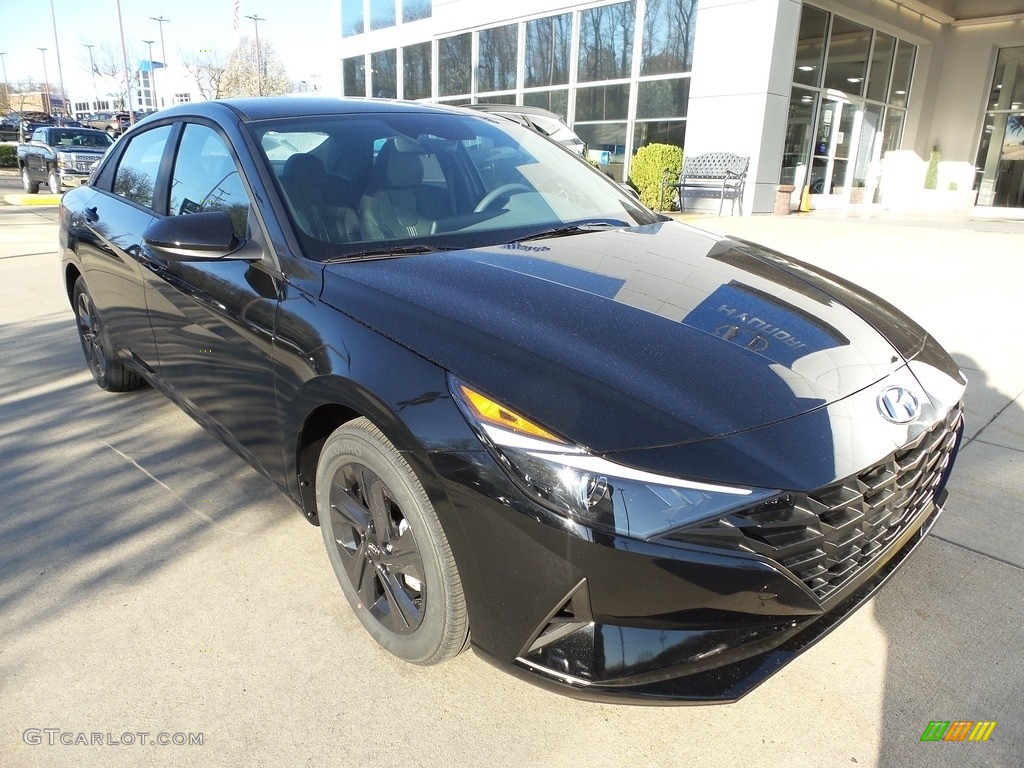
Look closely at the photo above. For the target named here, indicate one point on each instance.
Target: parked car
(60, 157)
(112, 123)
(30, 121)
(637, 461)
(541, 120)
(9, 125)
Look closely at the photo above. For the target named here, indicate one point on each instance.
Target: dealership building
(902, 104)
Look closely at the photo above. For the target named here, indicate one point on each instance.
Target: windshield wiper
(574, 228)
(386, 253)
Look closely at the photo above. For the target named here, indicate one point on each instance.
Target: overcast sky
(302, 31)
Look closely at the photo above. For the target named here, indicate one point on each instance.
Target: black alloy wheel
(108, 373)
(388, 549)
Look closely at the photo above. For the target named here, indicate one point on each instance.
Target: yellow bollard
(805, 200)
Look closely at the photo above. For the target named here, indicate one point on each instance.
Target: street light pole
(124, 59)
(46, 84)
(163, 52)
(152, 73)
(92, 71)
(60, 69)
(7, 86)
(259, 62)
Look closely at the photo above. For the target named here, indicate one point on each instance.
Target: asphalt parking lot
(151, 583)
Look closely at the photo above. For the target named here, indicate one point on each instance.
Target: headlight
(592, 490)
(65, 160)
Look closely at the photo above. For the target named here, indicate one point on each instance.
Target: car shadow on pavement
(102, 490)
(952, 618)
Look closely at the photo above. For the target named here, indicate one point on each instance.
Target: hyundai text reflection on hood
(622, 458)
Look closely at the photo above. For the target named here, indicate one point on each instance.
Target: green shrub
(647, 168)
(8, 156)
(931, 178)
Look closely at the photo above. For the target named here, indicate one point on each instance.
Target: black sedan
(636, 461)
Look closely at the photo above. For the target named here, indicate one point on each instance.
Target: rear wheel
(108, 373)
(32, 187)
(387, 547)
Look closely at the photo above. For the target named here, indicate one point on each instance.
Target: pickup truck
(60, 157)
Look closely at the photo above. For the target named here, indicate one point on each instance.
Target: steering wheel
(505, 190)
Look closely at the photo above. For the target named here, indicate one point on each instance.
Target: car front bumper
(693, 618)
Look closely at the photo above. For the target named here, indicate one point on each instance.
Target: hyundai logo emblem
(898, 405)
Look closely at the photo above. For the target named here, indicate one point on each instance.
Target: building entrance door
(1002, 161)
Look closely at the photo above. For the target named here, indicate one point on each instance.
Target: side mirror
(196, 237)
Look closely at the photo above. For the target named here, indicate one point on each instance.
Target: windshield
(69, 137)
(371, 183)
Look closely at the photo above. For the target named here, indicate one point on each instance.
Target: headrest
(301, 168)
(398, 165)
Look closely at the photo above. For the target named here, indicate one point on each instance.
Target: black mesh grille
(829, 536)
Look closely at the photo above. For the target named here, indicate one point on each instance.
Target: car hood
(637, 338)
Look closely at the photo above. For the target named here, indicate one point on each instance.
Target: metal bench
(714, 174)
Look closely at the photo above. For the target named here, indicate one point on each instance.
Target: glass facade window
(414, 10)
(603, 102)
(454, 71)
(668, 33)
(902, 72)
(354, 76)
(606, 144)
(881, 66)
(352, 18)
(416, 71)
(556, 101)
(548, 43)
(810, 46)
(659, 132)
(1008, 83)
(382, 14)
(663, 98)
(582, 65)
(498, 54)
(606, 42)
(384, 74)
(847, 62)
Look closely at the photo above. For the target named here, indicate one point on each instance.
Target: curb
(24, 199)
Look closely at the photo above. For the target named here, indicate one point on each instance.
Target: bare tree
(207, 69)
(109, 65)
(242, 78)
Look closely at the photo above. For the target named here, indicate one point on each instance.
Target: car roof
(275, 107)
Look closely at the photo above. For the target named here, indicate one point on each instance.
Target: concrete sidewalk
(151, 582)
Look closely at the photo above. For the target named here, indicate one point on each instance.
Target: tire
(108, 373)
(53, 182)
(31, 187)
(387, 547)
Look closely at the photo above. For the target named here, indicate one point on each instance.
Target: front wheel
(108, 373)
(53, 181)
(387, 547)
(31, 187)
